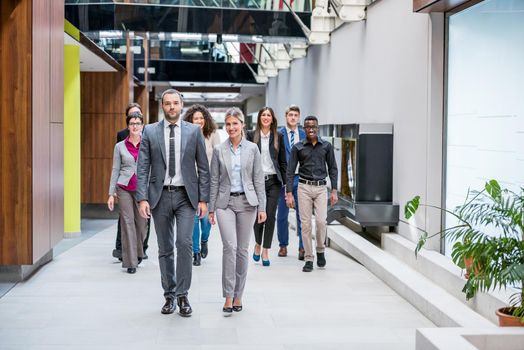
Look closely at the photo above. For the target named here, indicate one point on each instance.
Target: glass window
(485, 99)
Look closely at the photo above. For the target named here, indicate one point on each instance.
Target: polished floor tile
(83, 299)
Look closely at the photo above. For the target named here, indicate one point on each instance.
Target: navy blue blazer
(283, 132)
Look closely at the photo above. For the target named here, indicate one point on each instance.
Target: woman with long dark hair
(274, 165)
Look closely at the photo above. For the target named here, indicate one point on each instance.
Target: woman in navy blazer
(274, 165)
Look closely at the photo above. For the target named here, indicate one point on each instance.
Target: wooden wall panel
(41, 128)
(15, 133)
(56, 115)
(30, 92)
(104, 100)
(103, 92)
(56, 209)
(56, 34)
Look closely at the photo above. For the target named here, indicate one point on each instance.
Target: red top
(131, 186)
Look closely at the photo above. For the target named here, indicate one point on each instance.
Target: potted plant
(489, 234)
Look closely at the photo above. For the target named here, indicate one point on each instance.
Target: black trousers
(118, 243)
(264, 231)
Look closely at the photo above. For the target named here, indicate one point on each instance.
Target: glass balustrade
(272, 5)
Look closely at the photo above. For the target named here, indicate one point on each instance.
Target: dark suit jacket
(122, 134)
(278, 158)
(151, 167)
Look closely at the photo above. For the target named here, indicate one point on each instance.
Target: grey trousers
(134, 228)
(313, 199)
(236, 228)
(173, 206)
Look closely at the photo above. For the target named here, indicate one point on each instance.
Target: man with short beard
(171, 188)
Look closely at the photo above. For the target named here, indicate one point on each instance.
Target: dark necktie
(292, 138)
(172, 150)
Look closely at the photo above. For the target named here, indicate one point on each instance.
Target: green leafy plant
(497, 261)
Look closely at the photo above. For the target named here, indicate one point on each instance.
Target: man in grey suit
(169, 186)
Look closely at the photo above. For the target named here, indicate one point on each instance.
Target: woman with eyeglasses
(274, 165)
(199, 115)
(123, 186)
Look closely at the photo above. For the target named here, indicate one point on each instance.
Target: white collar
(166, 123)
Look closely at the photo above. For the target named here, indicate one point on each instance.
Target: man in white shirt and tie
(172, 189)
(292, 134)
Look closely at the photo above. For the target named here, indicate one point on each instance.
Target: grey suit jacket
(252, 176)
(151, 169)
(124, 167)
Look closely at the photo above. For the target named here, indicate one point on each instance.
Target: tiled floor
(83, 299)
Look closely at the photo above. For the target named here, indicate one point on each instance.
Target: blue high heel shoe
(265, 262)
(256, 257)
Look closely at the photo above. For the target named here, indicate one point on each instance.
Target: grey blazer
(124, 166)
(252, 176)
(151, 169)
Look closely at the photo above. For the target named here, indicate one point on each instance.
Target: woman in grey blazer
(123, 186)
(237, 194)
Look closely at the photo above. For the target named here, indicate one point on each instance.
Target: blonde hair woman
(237, 198)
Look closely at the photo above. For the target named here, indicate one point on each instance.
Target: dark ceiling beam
(94, 48)
(206, 89)
(428, 6)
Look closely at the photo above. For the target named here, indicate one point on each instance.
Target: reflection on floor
(83, 299)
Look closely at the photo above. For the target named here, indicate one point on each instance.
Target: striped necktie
(292, 141)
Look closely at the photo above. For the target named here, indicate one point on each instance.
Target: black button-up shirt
(313, 161)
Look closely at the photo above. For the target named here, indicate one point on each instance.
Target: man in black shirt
(312, 155)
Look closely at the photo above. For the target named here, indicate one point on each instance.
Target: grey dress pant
(134, 228)
(236, 228)
(175, 205)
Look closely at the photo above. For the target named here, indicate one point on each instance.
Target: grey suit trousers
(236, 228)
(134, 228)
(173, 206)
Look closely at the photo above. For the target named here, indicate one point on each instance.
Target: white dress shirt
(267, 163)
(177, 179)
(236, 168)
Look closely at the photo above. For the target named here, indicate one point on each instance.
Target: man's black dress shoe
(308, 266)
(301, 253)
(321, 260)
(203, 249)
(196, 259)
(169, 307)
(131, 270)
(237, 308)
(227, 311)
(184, 309)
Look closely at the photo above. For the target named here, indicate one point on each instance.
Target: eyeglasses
(135, 124)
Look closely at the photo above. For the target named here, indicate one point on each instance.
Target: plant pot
(468, 266)
(506, 319)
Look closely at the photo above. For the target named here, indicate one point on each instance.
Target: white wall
(387, 69)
